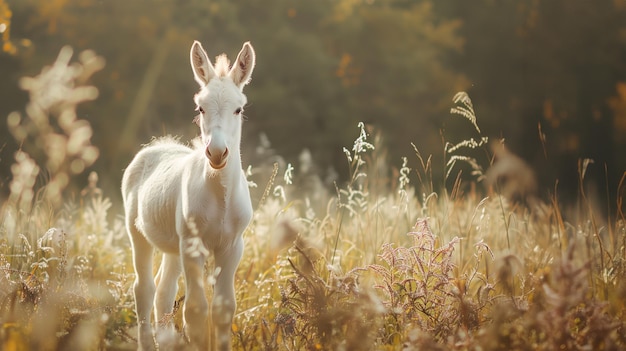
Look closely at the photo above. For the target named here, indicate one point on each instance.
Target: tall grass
(64, 281)
(384, 262)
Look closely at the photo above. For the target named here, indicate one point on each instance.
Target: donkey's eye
(238, 110)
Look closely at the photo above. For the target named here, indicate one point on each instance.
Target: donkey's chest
(224, 218)
(219, 220)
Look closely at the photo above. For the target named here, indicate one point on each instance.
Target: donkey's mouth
(218, 166)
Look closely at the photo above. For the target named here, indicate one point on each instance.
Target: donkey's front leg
(196, 308)
(224, 303)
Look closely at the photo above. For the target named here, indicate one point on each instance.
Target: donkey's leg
(143, 287)
(224, 303)
(167, 285)
(196, 308)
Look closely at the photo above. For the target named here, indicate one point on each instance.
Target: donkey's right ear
(202, 68)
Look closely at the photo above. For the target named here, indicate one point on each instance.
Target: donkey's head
(221, 100)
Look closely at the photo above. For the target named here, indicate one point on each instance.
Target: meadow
(393, 259)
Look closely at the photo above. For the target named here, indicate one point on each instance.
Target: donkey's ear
(202, 68)
(244, 65)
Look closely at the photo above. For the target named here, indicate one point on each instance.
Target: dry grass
(382, 263)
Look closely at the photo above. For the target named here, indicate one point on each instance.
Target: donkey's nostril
(217, 158)
(208, 153)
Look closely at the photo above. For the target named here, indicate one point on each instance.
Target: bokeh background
(547, 76)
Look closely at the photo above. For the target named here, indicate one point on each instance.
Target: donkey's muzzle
(217, 158)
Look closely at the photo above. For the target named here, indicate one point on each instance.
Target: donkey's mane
(222, 65)
(166, 139)
(195, 143)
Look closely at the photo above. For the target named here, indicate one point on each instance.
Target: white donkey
(190, 202)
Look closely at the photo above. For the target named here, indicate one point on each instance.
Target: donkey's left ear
(243, 67)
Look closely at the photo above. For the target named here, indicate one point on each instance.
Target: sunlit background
(387, 214)
(547, 76)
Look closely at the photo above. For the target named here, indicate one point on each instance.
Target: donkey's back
(151, 188)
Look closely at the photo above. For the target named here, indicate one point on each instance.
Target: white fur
(190, 202)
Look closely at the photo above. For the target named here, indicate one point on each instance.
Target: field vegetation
(394, 259)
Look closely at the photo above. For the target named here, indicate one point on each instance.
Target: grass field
(383, 262)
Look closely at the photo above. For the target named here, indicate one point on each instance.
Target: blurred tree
(324, 65)
(617, 103)
(330, 64)
(142, 85)
(9, 97)
(5, 28)
(549, 62)
(394, 69)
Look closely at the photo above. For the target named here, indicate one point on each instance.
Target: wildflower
(288, 174)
